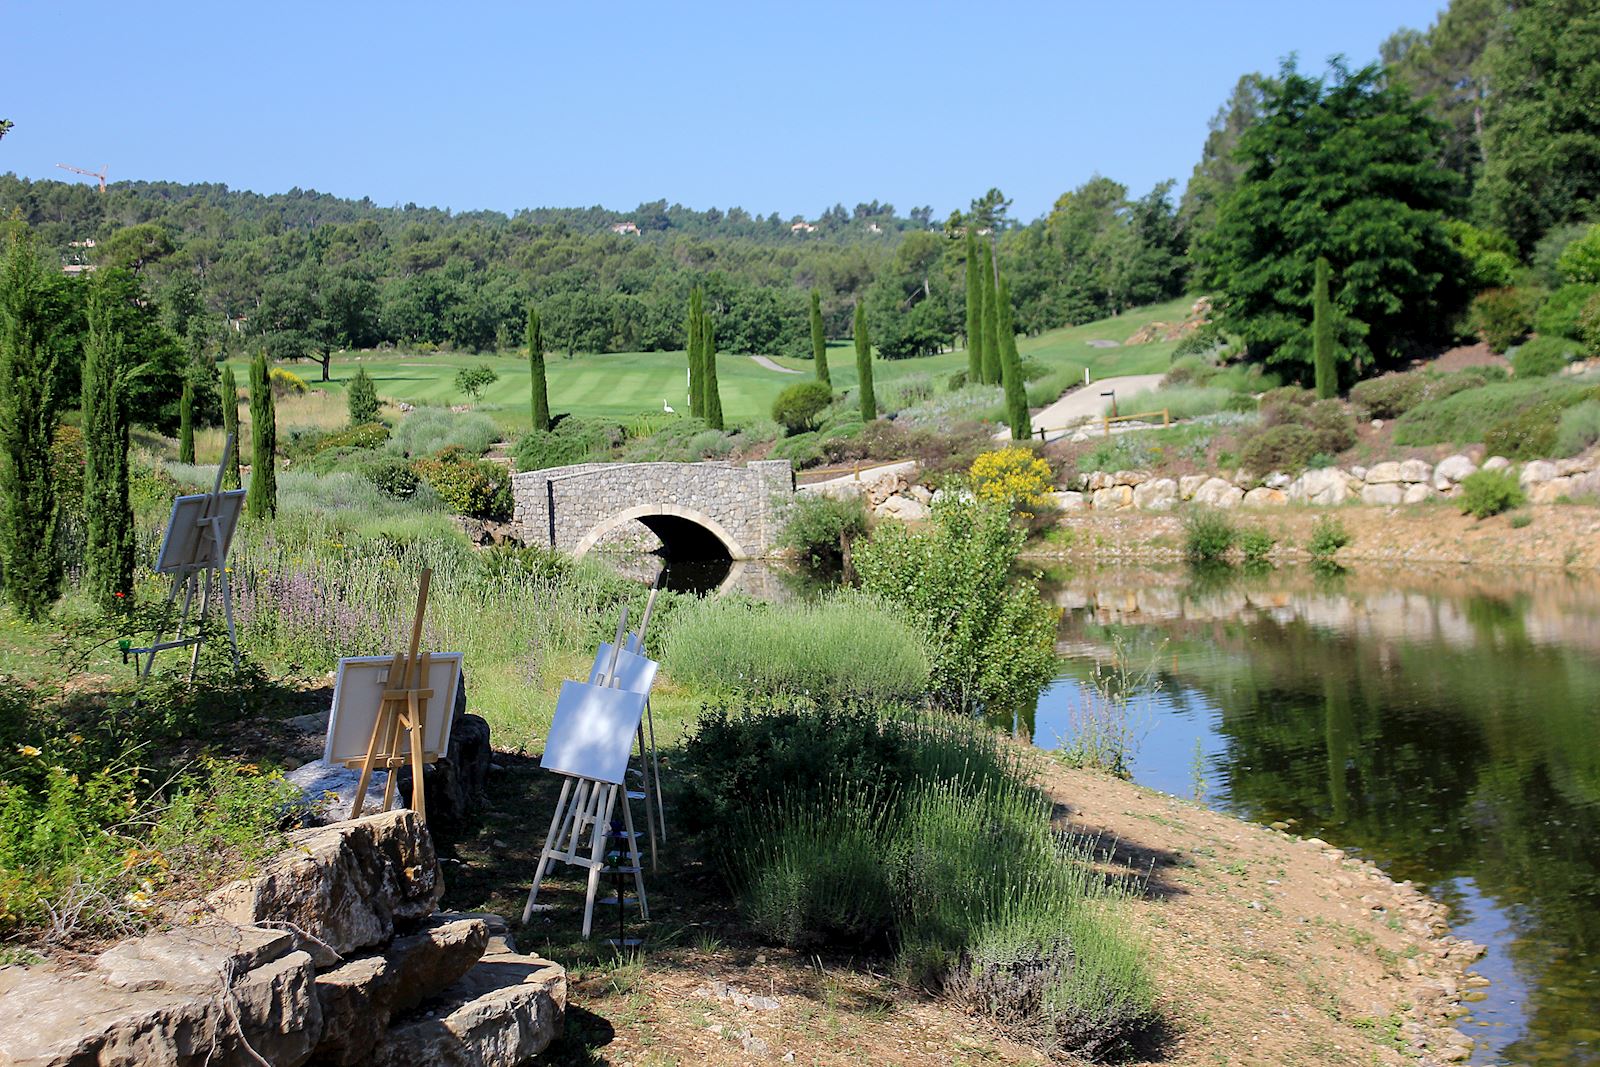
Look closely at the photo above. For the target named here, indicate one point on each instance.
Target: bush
(426, 431)
(1528, 434)
(1580, 259)
(1208, 534)
(1388, 396)
(803, 450)
(1255, 545)
(576, 440)
(1485, 493)
(844, 648)
(1328, 536)
(361, 398)
(1014, 478)
(468, 486)
(1579, 428)
(1469, 415)
(366, 435)
(1543, 356)
(1285, 447)
(1501, 317)
(1558, 315)
(1589, 326)
(474, 380)
(286, 381)
(821, 528)
(990, 637)
(798, 406)
(392, 475)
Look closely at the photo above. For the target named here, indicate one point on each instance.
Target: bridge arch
(674, 514)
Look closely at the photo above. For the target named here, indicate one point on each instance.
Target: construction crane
(101, 173)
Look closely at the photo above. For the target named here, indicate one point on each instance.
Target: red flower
(119, 595)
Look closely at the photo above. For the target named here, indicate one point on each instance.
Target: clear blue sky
(774, 107)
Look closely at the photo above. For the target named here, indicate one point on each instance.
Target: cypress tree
(708, 363)
(33, 321)
(262, 500)
(819, 340)
(697, 407)
(974, 313)
(990, 327)
(1011, 370)
(869, 402)
(108, 554)
(361, 398)
(230, 427)
(186, 423)
(541, 388)
(1322, 334)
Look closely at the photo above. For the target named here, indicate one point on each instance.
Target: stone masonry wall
(745, 502)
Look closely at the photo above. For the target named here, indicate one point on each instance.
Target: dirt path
(771, 365)
(1085, 402)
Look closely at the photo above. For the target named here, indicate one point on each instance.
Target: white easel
(586, 806)
(649, 762)
(194, 571)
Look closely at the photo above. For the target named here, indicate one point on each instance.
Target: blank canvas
(592, 733)
(358, 692)
(187, 544)
(635, 673)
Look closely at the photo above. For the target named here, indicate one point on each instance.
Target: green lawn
(634, 383)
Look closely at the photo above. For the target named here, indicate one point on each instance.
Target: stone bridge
(691, 510)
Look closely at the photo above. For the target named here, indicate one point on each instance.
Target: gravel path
(770, 365)
(1087, 402)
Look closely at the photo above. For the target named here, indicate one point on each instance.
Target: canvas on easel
(358, 691)
(194, 551)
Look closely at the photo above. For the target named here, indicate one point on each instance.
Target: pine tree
(230, 427)
(361, 398)
(990, 327)
(262, 500)
(108, 551)
(33, 321)
(541, 387)
(186, 423)
(1017, 415)
(974, 313)
(869, 402)
(819, 339)
(708, 363)
(1327, 371)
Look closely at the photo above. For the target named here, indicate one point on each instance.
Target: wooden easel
(198, 575)
(586, 806)
(404, 708)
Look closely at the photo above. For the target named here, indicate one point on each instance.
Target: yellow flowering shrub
(1014, 477)
(286, 381)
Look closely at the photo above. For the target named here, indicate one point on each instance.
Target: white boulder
(904, 508)
(1217, 493)
(1159, 494)
(1265, 496)
(1413, 471)
(1451, 470)
(1383, 493)
(1386, 473)
(1537, 473)
(1113, 498)
(1417, 492)
(1189, 484)
(1496, 463)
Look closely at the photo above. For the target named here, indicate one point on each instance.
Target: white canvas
(592, 734)
(635, 673)
(186, 544)
(358, 692)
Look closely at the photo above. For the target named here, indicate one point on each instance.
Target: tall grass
(846, 647)
(1180, 401)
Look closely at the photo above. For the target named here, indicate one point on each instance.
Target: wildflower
(28, 750)
(119, 595)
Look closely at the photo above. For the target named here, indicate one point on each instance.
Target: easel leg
(655, 772)
(649, 797)
(177, 580)
(205, 609)
(390, 743)
(419, 799)
(556, 825)
(366, 766)
(597, 851)
(633, 858)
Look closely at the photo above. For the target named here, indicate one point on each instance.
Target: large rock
(1551, 491)
(1496, 463)
(1413, 471)
(504, 1012)
(1452, 470)
(220, 996)
(1586, 485)
(360, 997)
(1113, 498)
(1094, 481)
(1383, 494)
(1159, 494)
(1217, 493)
(904, 508)
(457, 785)
(1190, 484)
(1386, 473)
(1537, 472)
(1417, 492)
(885, 486)
(1066, 500)
(1325, 486)
(342, 887)
(1263, 497)
(1130, 477)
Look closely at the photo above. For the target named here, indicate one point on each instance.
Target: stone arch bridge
(691, 510)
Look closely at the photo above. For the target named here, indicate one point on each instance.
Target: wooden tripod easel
(586, 806)
(403, 709)
(197, 575)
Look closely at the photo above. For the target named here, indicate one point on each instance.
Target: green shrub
(1502, 317)
(1328, 536)
(1388, 396)
(1580, 259)
(467, 486)
(798, 406)
(392, 475)
(1579, 428)
(990, 637)
(820, 528)
(1468, 415)
(575, 440)
(1521, 521)
(1543, 356)
(803, 450)
(845, 648)
(1528, 434)
(1255, 545)
(1558, 315)
(474, 380)
(1208, 534)
(425, 431)
(361, 398)
(1286, 447)
(366, 435)
(1485, 493)
(1589, 326)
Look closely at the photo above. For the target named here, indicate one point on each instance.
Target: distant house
(802, 227)
(78, 268)
(624, 227)
(873, 227)
(89, 243)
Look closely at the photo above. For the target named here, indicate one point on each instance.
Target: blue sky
(774, 107)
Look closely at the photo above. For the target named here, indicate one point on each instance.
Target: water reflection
(1446, 725)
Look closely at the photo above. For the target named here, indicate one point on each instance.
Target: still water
(1444, 725)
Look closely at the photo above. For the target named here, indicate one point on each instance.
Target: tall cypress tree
(869, 402)
(990, 327)
(541, 388)
(708, 364)
(697, 407)
(262, 499)
(186, 423)
(1327, 369)
(34, 315)
(108, 554)
(974, 313)
(230, 427)
(1011, 370)
(819, 339)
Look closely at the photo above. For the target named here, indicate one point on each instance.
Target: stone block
(504, 1012)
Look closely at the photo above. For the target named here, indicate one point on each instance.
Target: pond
(1445, 725)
